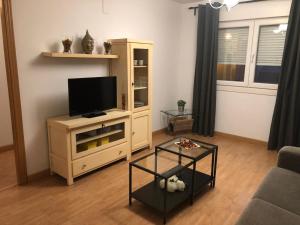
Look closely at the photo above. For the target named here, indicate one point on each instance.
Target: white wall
(6, 137)
(242, 114)
(40, 25)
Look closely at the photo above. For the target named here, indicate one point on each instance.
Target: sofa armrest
(289, 158)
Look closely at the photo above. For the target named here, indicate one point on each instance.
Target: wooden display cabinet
(133, 69)
(79, 145)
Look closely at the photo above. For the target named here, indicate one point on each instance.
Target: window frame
(251, 57)
(240, 24)
(254, 52)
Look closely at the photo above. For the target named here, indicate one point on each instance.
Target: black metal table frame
(213, 151)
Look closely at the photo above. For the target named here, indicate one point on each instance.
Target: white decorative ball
(180, 185)
(162, 183)
(172, 187)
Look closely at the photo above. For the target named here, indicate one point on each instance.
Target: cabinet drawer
(99, 159)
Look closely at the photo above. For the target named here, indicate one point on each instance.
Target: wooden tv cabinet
(79, 145)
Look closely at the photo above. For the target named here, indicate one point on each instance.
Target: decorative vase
(107, 46)
(88, 43)
(181, 103)
(67, 43)
(181, 108)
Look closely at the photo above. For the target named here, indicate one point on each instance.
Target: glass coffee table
(168, 160)
(178, 121)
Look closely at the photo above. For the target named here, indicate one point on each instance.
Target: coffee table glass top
(194, 153)
(175, 112)
(164, 164)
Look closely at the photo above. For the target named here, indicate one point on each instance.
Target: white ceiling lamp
(227, 3)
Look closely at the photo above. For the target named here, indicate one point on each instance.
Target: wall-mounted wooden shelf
(78, 55)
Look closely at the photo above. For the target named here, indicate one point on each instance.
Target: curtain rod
(253, 1)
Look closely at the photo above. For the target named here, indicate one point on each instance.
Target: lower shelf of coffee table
(152, 195)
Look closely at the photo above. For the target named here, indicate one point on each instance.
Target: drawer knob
(120, 152)
(83, 166)
(133, 133)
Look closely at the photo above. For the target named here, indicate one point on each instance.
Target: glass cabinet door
(99, 138)
(140, 77)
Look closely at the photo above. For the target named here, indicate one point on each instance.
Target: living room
(207, 86)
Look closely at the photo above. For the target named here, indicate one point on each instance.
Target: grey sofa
(277, 200)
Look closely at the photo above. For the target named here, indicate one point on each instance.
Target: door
(141, 70)
(13, 89)
(141, 136)
(8, 176)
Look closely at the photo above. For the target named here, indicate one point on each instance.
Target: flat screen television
(89, 97)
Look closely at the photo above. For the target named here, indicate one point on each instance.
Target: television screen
(90, 95)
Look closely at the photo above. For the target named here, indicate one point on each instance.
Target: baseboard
(8, 187)
(39, 175)
(163, 130)
(240, 137)
(160, 131)
(6, 148)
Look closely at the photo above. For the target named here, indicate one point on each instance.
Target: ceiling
(187, 1)
(191, 1)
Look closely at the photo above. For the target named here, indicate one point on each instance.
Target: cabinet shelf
(140, 66)
(98, 136)
(140, 88)
(78, 55)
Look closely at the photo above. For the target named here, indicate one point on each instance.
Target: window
(250, 52)
(232, 53)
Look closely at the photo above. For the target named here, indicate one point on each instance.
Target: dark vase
(181, 108)
(88, 43)
(67, 43)
(107, 46)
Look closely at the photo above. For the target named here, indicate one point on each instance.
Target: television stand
(79, 145)
(94, 114)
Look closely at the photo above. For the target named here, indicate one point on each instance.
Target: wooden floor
(8, 177)
(102, 197)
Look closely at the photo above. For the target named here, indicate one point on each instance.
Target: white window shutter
(232, 47)
(270, 46)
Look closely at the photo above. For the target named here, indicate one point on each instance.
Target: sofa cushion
(259, 212)
(289, 158)
(281, 187)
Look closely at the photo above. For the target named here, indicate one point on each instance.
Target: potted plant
(181, 104)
